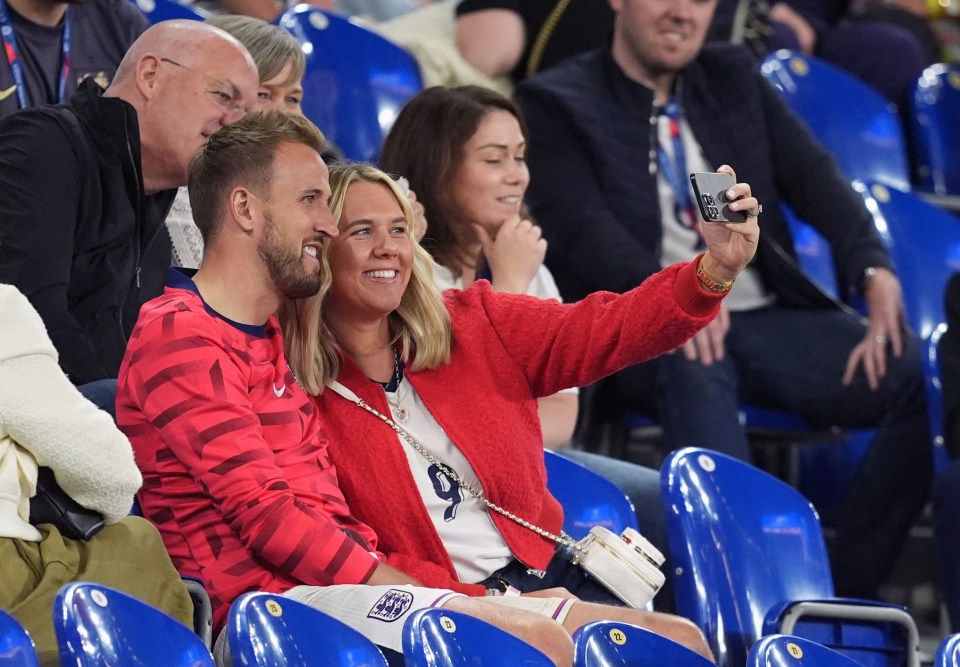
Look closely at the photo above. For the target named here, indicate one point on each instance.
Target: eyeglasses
(226, 94)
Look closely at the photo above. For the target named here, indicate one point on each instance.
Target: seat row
(747, 559)
(100, 627)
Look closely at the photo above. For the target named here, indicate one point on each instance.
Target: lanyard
(675, 169)
(10, 48)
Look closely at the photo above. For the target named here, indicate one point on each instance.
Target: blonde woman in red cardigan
(425, 395)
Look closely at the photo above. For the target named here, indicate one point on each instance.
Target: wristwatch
(869, 274)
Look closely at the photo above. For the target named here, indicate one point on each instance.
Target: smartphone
(710, 190)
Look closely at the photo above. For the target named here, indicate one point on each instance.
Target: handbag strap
(346, 393)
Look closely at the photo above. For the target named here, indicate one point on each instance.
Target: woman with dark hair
(463, 151)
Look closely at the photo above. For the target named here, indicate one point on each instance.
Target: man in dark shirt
(613, 135)
(85, 187)
(52, 46)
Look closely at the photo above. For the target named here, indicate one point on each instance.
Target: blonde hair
(420, 324)
(270, 46)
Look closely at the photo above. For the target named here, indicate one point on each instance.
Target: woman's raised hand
(731, 245)
(514, 255)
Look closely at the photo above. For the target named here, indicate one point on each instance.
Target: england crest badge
(391, 606)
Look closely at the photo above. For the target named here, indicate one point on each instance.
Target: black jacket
(594, 192)
(78, 236)
(101, 32)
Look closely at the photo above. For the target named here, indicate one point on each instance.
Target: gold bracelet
(709, 283)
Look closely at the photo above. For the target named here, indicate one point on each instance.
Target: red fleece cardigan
(507, 351)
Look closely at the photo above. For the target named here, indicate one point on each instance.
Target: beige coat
(45, 421)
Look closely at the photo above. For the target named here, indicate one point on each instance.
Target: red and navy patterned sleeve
(251, 459)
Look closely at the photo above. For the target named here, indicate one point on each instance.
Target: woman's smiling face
(372, 258)
(492, 178)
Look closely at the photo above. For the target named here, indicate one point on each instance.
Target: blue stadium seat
(98, 626)
(789, 651)
(356, 81)
(935, 130)
(948, 652)
(813, 252)
(440, 638)
(924, 242)
(749, 559)
(164, 10)
(588, 499)
(851, 119)
(267, 630)
(16, 647)
(610, 644)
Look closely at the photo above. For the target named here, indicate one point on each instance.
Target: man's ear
(245, 209)
(147, 75)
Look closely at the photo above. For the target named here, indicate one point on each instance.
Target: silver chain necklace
(563, 539)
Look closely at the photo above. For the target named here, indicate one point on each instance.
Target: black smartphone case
(710, 190)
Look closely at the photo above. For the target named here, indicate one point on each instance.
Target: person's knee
(679, 629)
(551, 638)
(544, 634)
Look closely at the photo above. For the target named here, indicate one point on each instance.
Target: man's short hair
(242, 154)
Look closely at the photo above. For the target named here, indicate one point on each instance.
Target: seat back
(267, 630)
(356, 81)
(610, 644)
(437, 637)
(934, 387)
(948, 652)
(934, 110)
(16, 646)
(165, 10)
(98, 626)
(851, 119)
(813, 252)
(924, 242)
(789, 651)
(588, 499)
(740, 542)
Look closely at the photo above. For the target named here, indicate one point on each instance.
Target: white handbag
(626, 564)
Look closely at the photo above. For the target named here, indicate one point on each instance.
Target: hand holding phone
(710, 190)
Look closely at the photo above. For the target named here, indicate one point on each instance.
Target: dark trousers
(793, 359)
(560, 573)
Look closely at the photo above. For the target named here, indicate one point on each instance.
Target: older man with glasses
(85, 188)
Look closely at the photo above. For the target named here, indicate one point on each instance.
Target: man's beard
(285, 268)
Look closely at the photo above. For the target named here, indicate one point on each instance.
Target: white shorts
(376, 612)
(379, 612)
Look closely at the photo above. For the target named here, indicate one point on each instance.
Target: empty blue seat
(588, 499)
(16, 647)
(267, 630)
(924, 242)
(790, 651)
(851, 119)
(356, 81)
(98, 626)
(441, 638)
(749, 559)
(610, 644)
(935, 130)
(813, 252)
(948, 652)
